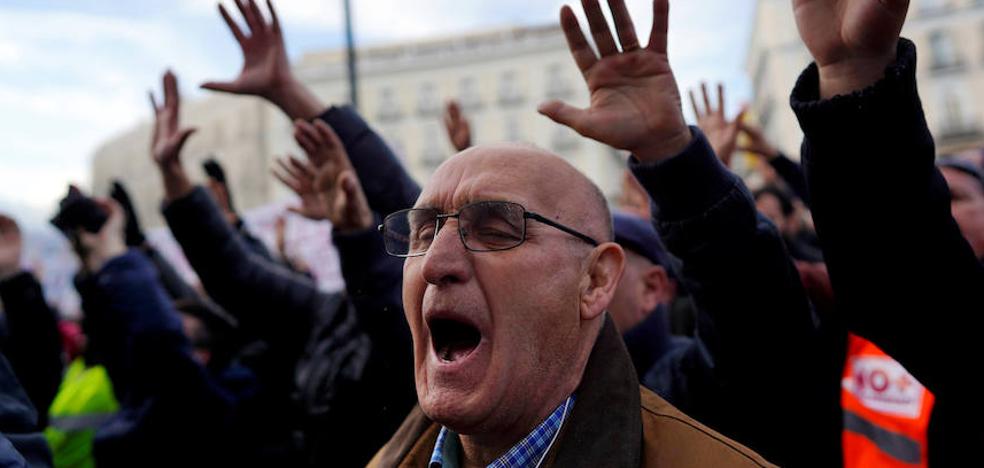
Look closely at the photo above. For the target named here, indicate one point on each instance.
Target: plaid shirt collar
(527, 452)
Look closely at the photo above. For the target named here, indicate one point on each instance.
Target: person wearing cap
(647, 288)
(966, 184)
(902, 271)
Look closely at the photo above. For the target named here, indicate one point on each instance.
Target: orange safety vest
(886, 410)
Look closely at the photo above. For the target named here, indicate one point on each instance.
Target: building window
(432, 153)
(427, 102)
(389, 108)
(468, 94)
(952, 116)
(513, 131)
(558, 86)
(394, 140)
(766, 112)
(956, 119)
(943, 50)
(509, 92)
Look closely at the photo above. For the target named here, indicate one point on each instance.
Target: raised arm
(264, 296)
(266, 69)
(900, 269)
(457, 126)
(266, 73)
(721, 132)
(747, 289)
(329, 190)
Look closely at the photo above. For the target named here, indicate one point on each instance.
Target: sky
(75, 73)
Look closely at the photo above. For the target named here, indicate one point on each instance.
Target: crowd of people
(506, 314)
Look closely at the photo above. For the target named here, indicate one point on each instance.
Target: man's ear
(604, 270)
(657, 287)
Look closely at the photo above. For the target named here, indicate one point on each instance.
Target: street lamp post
(350, 55)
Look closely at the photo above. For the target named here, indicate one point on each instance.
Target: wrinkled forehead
(512, 173)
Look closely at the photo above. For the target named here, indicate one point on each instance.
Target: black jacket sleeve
(374, 283)
(267, 298)
(387, 184)
(754, 318)
(792, 174)
(172, 282)
(902, 273)
(34, 345)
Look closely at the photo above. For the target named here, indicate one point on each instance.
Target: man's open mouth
(453, 340)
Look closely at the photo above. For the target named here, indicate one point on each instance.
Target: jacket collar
(605, 427)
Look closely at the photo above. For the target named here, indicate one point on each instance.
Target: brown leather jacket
(604, 429)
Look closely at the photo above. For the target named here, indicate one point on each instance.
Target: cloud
(72, 80)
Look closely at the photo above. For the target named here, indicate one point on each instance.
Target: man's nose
(447, 260)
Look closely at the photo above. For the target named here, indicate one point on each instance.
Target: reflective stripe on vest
(80, 422)
(886, 410)
(84, 402)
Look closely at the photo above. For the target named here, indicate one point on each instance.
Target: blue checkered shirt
(526, 453)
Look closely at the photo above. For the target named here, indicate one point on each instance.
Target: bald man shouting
(510, 266)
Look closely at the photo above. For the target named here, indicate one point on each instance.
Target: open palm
(635, 104)
(852, 41)
(265, 63)
(838, 30)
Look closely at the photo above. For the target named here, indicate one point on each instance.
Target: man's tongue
(453, 351)
(454, 340)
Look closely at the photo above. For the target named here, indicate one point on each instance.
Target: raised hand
(11, 245)
(720, 132)
(300, 176)
(266, 68)
(459, 130)
(757, 143)
(330, 175)
(852, 41)
(97, 249)
(634, 198)
(168, 139)
(635, 104)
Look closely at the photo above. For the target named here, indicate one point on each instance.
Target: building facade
(949, 36)
(499, 77)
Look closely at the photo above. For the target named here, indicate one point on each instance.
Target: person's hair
(785, 200)
(215, 172)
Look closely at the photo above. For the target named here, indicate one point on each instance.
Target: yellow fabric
(84, 392)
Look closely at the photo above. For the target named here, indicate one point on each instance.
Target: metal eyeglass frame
(526, 215)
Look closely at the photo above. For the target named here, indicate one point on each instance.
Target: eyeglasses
(486, 226)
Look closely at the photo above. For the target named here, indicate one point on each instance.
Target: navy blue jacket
(755, 324)
(172, 410)
(903, 275)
